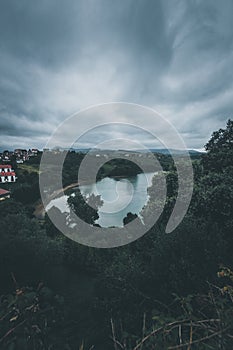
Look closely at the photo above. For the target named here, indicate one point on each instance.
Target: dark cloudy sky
(57, 57)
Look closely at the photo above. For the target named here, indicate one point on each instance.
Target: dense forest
(163, 291)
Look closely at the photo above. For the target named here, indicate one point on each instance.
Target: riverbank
(39, 211)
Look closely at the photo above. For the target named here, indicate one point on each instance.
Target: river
(120, 196)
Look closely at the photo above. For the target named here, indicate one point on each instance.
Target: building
(4, 194)
(35, 151)
(7, 174)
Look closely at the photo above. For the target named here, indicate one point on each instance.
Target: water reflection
(120, 196)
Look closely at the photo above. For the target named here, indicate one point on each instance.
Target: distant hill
(175, 151)
(153, 150)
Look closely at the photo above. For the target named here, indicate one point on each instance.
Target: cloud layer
(57, 57)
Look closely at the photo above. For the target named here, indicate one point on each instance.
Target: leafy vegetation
(32, 319)
(87, 209)
(160, 292)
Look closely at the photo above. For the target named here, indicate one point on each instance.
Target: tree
(87, 210)
(130, 217)
(213, 195)
(219, 149)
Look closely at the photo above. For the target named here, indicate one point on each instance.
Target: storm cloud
(57, 57)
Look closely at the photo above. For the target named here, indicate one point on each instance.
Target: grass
(31, 168)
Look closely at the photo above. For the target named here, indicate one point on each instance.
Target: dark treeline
(118, 167)
(163, 291)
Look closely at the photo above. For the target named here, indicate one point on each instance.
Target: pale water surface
(120, 196)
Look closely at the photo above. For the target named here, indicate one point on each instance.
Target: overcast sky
(57, 57)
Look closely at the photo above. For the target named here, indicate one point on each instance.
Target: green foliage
(35, 160)
(213, 195)
(26, 189)
(87, 210)
(213, 198)
(71, 166)
(115, 167)
(32, 319)
(145, 277)
(24, 243)
(198, 321)
(130, 217)
(119, 167)
(219, 150)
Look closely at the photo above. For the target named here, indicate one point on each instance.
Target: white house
(7, 174)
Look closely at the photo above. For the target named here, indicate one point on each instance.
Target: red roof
(9, 173)
(5, 166)
(2, 192)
